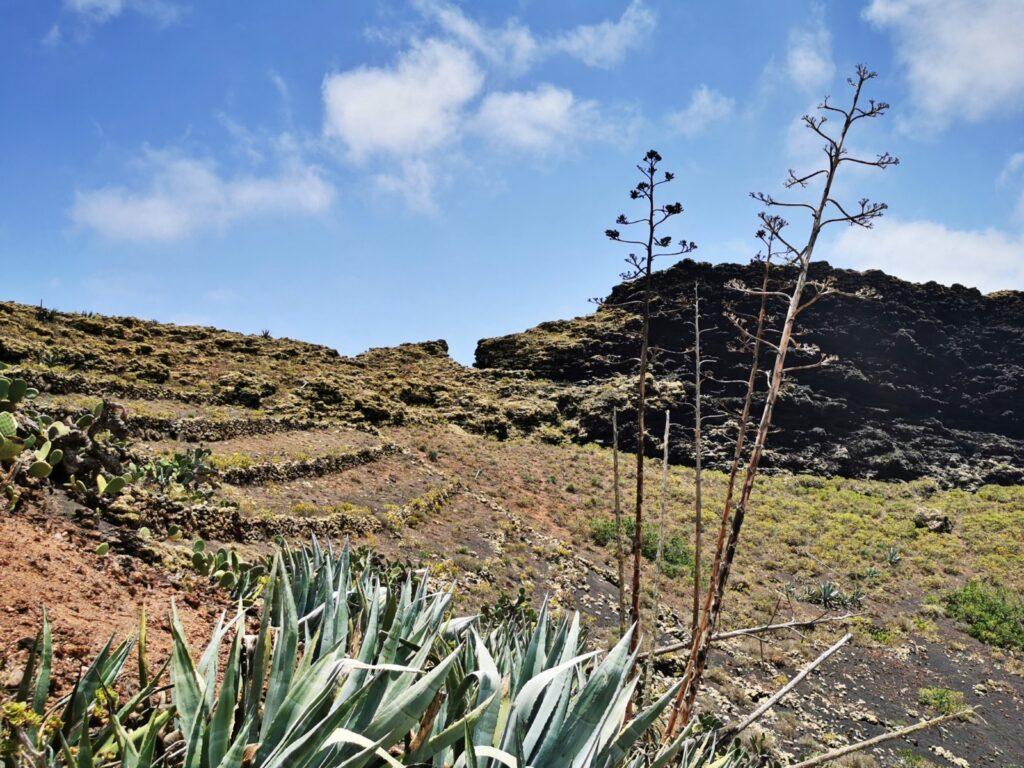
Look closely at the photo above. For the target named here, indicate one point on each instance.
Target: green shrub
(676, 557)
(943, 700)
(989, 612)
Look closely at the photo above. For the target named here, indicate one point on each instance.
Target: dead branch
(781, 693)
(620, 555)
(718, 636)
(868, 743)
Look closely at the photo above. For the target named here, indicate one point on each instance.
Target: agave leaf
(525, 700)
(85, 745)
(589, 711)
(304, 738)
(535, 651)
(282, 664)
(451, 733)
(694, 752)
(620, 746)
(65, 749)
(307, 699)
(252, 691)
(197, 739)
(556, 699)
(549, 716)
(489, 691)
(224, 711)
(188, 686)
(42, 686)
(143, 669)
(233, 757)
(150, 731)
(344, 736)
(207, 667)
(500, 755)
(401, 714)
(84, 692)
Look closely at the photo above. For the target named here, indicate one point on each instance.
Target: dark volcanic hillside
(929, 379)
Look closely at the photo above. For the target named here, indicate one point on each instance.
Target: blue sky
(363, 174)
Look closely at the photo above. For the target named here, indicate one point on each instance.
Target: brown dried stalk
(800, 258)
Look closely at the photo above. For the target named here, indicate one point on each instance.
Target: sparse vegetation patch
(989, 612)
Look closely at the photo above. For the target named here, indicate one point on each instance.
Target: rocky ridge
(928, 382)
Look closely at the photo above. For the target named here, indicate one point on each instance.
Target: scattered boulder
(933, 520)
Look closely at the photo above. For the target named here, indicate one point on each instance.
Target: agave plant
(84, 728)
(370, 675)
(353, 666)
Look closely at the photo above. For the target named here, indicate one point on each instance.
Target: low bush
(676, 556)
(943, 700)
(989, 612)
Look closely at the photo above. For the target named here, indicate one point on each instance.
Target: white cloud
(809, 56)
(414, 181)
(986, 259)
(535, 120)
(963, 58)
(606, 44)
(406, 110)
(1014, 171)
(79, 17)
(706, 107)
(1013, 167)
(100, 11)
(183, 195)
(513, 45)
(410, 117)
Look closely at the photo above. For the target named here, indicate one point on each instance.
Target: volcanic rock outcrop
(928, 382)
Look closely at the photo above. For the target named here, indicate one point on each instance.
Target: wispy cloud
(414, 181)
(411, 118)
(963, 59)
(809, 61)
(180, 195)
(1013, 173)
(81, 16)
(607, 43)
(537, 120)
(514, 46)
(706, 107)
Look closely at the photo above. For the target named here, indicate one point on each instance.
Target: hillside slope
(929, 379)
(470, 473)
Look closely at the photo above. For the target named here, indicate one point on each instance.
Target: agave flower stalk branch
(800, 259)
(641, 268)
